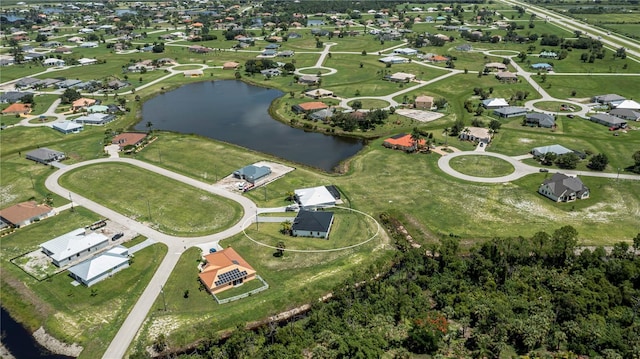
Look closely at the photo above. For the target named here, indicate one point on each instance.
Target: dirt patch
(525, 140)
(419, 115)
(234, 184)
(580, 99)
(56, 346)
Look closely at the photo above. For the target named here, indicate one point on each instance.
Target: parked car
(570, 116)
(117, 236)
(544, 170)
(212, 250)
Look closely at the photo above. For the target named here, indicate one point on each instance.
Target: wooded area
(540, 296)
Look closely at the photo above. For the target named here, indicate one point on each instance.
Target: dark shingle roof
(313, 221)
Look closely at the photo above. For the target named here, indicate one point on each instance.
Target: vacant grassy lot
(168, 205)
(560, 86)
(71, 313)
(371, 103)
(481, 166)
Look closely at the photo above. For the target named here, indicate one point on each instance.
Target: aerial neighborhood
(331, 179)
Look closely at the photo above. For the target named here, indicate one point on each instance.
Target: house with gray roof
(67, 83)
(608, 120)
(101, 267)
(557, 149)
(563, 188)
(96, 118)
(315, 224)
(45, 155)
(74, 246)
(626, 114)
(540, 120)
(13, 96)
(510, 111)
(252, 173)
(607, 99)
(26, 82)
(322, 115)
(67, 127)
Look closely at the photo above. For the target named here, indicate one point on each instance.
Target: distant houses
(563, 188)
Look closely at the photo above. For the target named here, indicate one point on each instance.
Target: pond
(20, 342)
(237, 113)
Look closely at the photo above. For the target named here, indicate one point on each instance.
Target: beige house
(423, 102)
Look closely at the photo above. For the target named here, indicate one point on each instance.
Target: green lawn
(371, 103)
(482, 166)
(170, 206)
(553, 106)
(561, 87)
(71, 313)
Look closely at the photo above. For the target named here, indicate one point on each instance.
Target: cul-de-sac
(320, 179)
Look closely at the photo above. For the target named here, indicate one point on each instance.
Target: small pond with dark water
(236, 112)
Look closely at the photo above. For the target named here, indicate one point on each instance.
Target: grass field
(71, 313)
(154, 199)
(560, 86)
(481, 166)
(371, 103)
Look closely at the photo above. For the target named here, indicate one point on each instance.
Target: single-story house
(13, 96)
(82, 102)
(506, 76)
(98, 108)
(494, 103)
(17, 109)
(74, 246)
(629, 115)
(542, 66)
(402, 142)
(401, 77)
(87, 45)
(117, 84)
(129, 139)
(268, 53)
(193, 73)
(101, 267)
(26, 82)
(224, 270)
(96, 118)
(312, 224)
(25, 213)
(67, 127)
(543, 150)
(393, 60)
(510, 111)
(548, 55)
(318, 93)
(405, 51)
(322, 115)
(540, 120)
(67, 83)
(608, 98)
(495, 66)
(29, 56)
(199, 49)
(308, 107)
(628, 105)
(45, 155)
(308, 79)
(423, 102)
(475, 134)
(230, 65)
(271, 72)
(48, 82)
(563, 188)
(608, 120)
(286, 53)
(53, 62)
(86, 61)
(316, 197)
(252, 173)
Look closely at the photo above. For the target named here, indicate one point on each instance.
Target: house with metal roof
(315, 197)
(563, 188)
(608, 98)
(96, 118)
(315, 224)
(539, 120)
(101, 267)
(13, 96)
(224, 270)
(25, 213)
(322, 115)
(608, 120)
(493, 103)
(67, 127)
(557, 149)
(628, 105)
(252, 173)
(74, 246)
(542, 66)
(45, 155)
(509, 111)
(626, 114)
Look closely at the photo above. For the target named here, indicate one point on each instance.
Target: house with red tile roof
(17, 109)
(308, 107)
(403, 142)
(82, 102)
(25, 213)
(129, 139)
(224, 270)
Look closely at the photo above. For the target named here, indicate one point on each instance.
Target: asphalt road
(177, 245)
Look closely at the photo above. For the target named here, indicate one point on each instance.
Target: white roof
(101, 264)
(557, 149)
(67, 125)
(53, 61)
(629, 104)
(72, 243)
(495, 102)
(315, 197)
(85, 60)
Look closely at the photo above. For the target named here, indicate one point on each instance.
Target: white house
(315, 197)
(101, 267)
(393, 60)
(493, 103)
(74, 246)
(557, 149)
(53, 62)
(476, 134)
(88, 45)
(405, 51)
(563, 188)
(67, 127)
(85, 61)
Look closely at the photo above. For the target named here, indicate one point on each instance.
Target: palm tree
(446, 135)
(416, 137)
(286, 227)
(149, 126)
(281, 247)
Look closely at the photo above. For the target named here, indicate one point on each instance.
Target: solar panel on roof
(230, 276)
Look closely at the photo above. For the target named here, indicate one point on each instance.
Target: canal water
(236, 112)
(20, 342)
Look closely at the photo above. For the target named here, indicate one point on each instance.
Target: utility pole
(149, 210)
(257, 226)
(163, 300)
(71, 202)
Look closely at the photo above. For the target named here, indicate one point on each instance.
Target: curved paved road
(133, 322)
(520, 171)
